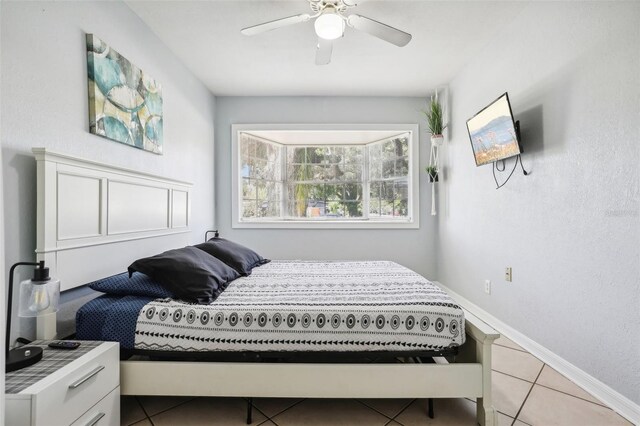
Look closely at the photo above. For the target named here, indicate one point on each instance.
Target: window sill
(327, 224)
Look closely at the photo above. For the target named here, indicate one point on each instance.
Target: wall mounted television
(493, 132)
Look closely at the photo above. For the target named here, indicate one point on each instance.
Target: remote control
(62, 344)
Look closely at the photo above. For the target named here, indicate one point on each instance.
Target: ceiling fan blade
(323, 51)
(273, 25)
(380, 30)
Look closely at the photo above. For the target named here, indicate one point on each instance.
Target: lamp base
(23, 357)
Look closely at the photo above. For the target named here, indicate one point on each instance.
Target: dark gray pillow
(137, 285)
(188, 273)
(239, 257)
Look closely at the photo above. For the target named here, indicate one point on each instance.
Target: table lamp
(39, 295)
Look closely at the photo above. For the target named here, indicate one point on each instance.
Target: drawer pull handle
(87, 377)
(95, 420)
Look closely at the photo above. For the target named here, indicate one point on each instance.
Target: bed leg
(417, 360)
(485, 412)
(249, 410)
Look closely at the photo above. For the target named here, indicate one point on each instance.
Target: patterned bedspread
(310, 306)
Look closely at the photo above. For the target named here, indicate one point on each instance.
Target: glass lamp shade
(39, 297)
(329, 26)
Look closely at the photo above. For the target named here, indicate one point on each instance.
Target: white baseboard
(616, 401)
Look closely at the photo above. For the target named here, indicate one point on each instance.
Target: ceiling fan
(330, 22)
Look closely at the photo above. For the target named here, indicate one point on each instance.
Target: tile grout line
(267, 420)
(281, 411)
(515, 349)
(528, 393)
(391, 418)
(515, 377)
(403, 410)
(164, 411)
(373, 409)
(567, 393)
(143, 410)
(545, 386)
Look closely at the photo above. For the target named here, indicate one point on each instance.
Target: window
(389, 178)
(336, 178)
(325, 182)
(261, 178)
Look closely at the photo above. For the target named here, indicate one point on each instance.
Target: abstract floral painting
(125, 104)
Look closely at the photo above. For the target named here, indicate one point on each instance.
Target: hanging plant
(434, 117)
(433, 173)
(435, 120)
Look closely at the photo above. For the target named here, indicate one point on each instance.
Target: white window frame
(413, 222)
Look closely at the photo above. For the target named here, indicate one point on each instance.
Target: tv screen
(493, 132)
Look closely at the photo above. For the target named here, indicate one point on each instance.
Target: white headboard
(94, 220)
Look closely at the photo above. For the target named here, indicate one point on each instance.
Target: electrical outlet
(507, 274)
(487, 286)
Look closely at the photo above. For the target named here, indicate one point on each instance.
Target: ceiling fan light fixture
(329, 26)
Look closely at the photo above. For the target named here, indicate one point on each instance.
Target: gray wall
(44, 104)
(570, 230)
(413, 248)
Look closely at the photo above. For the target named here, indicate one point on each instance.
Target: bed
(88, 210)
(289, 306)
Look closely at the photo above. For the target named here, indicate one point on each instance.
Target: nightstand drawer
(70, 395)
(104, 413)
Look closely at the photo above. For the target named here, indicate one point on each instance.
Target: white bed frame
(95, 219)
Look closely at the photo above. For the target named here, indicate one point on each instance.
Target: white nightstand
(67, 387)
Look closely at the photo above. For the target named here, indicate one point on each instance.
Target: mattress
(290, 306)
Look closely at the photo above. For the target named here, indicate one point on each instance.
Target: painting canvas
(492, 133)
(125, 103)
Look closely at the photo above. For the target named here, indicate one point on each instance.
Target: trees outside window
(368, 181)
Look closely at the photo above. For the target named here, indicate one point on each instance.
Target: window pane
(375, 161)
(401, 198)
(353, 191)
(298, 195)
(316, 155)
(335, 155)
(374, 199)
(334, 209)
(351, 172)
(387, 198)
(248, 189)
(249, 209)
(273, 152)
(316, 173)
(317, 192)
(334, 172)
(334, 192)
(258, 168)
(402, 167)
(251, 145)
(268, 209)
(352, 209)
(245, 168)
(388, 169)
(353, 154)
(405, 147)
(297, 172)
(262, 150)
(389, 149)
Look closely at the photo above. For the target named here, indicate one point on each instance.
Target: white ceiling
(205, 35)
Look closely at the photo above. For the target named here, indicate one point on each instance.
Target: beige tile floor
(525, 392)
